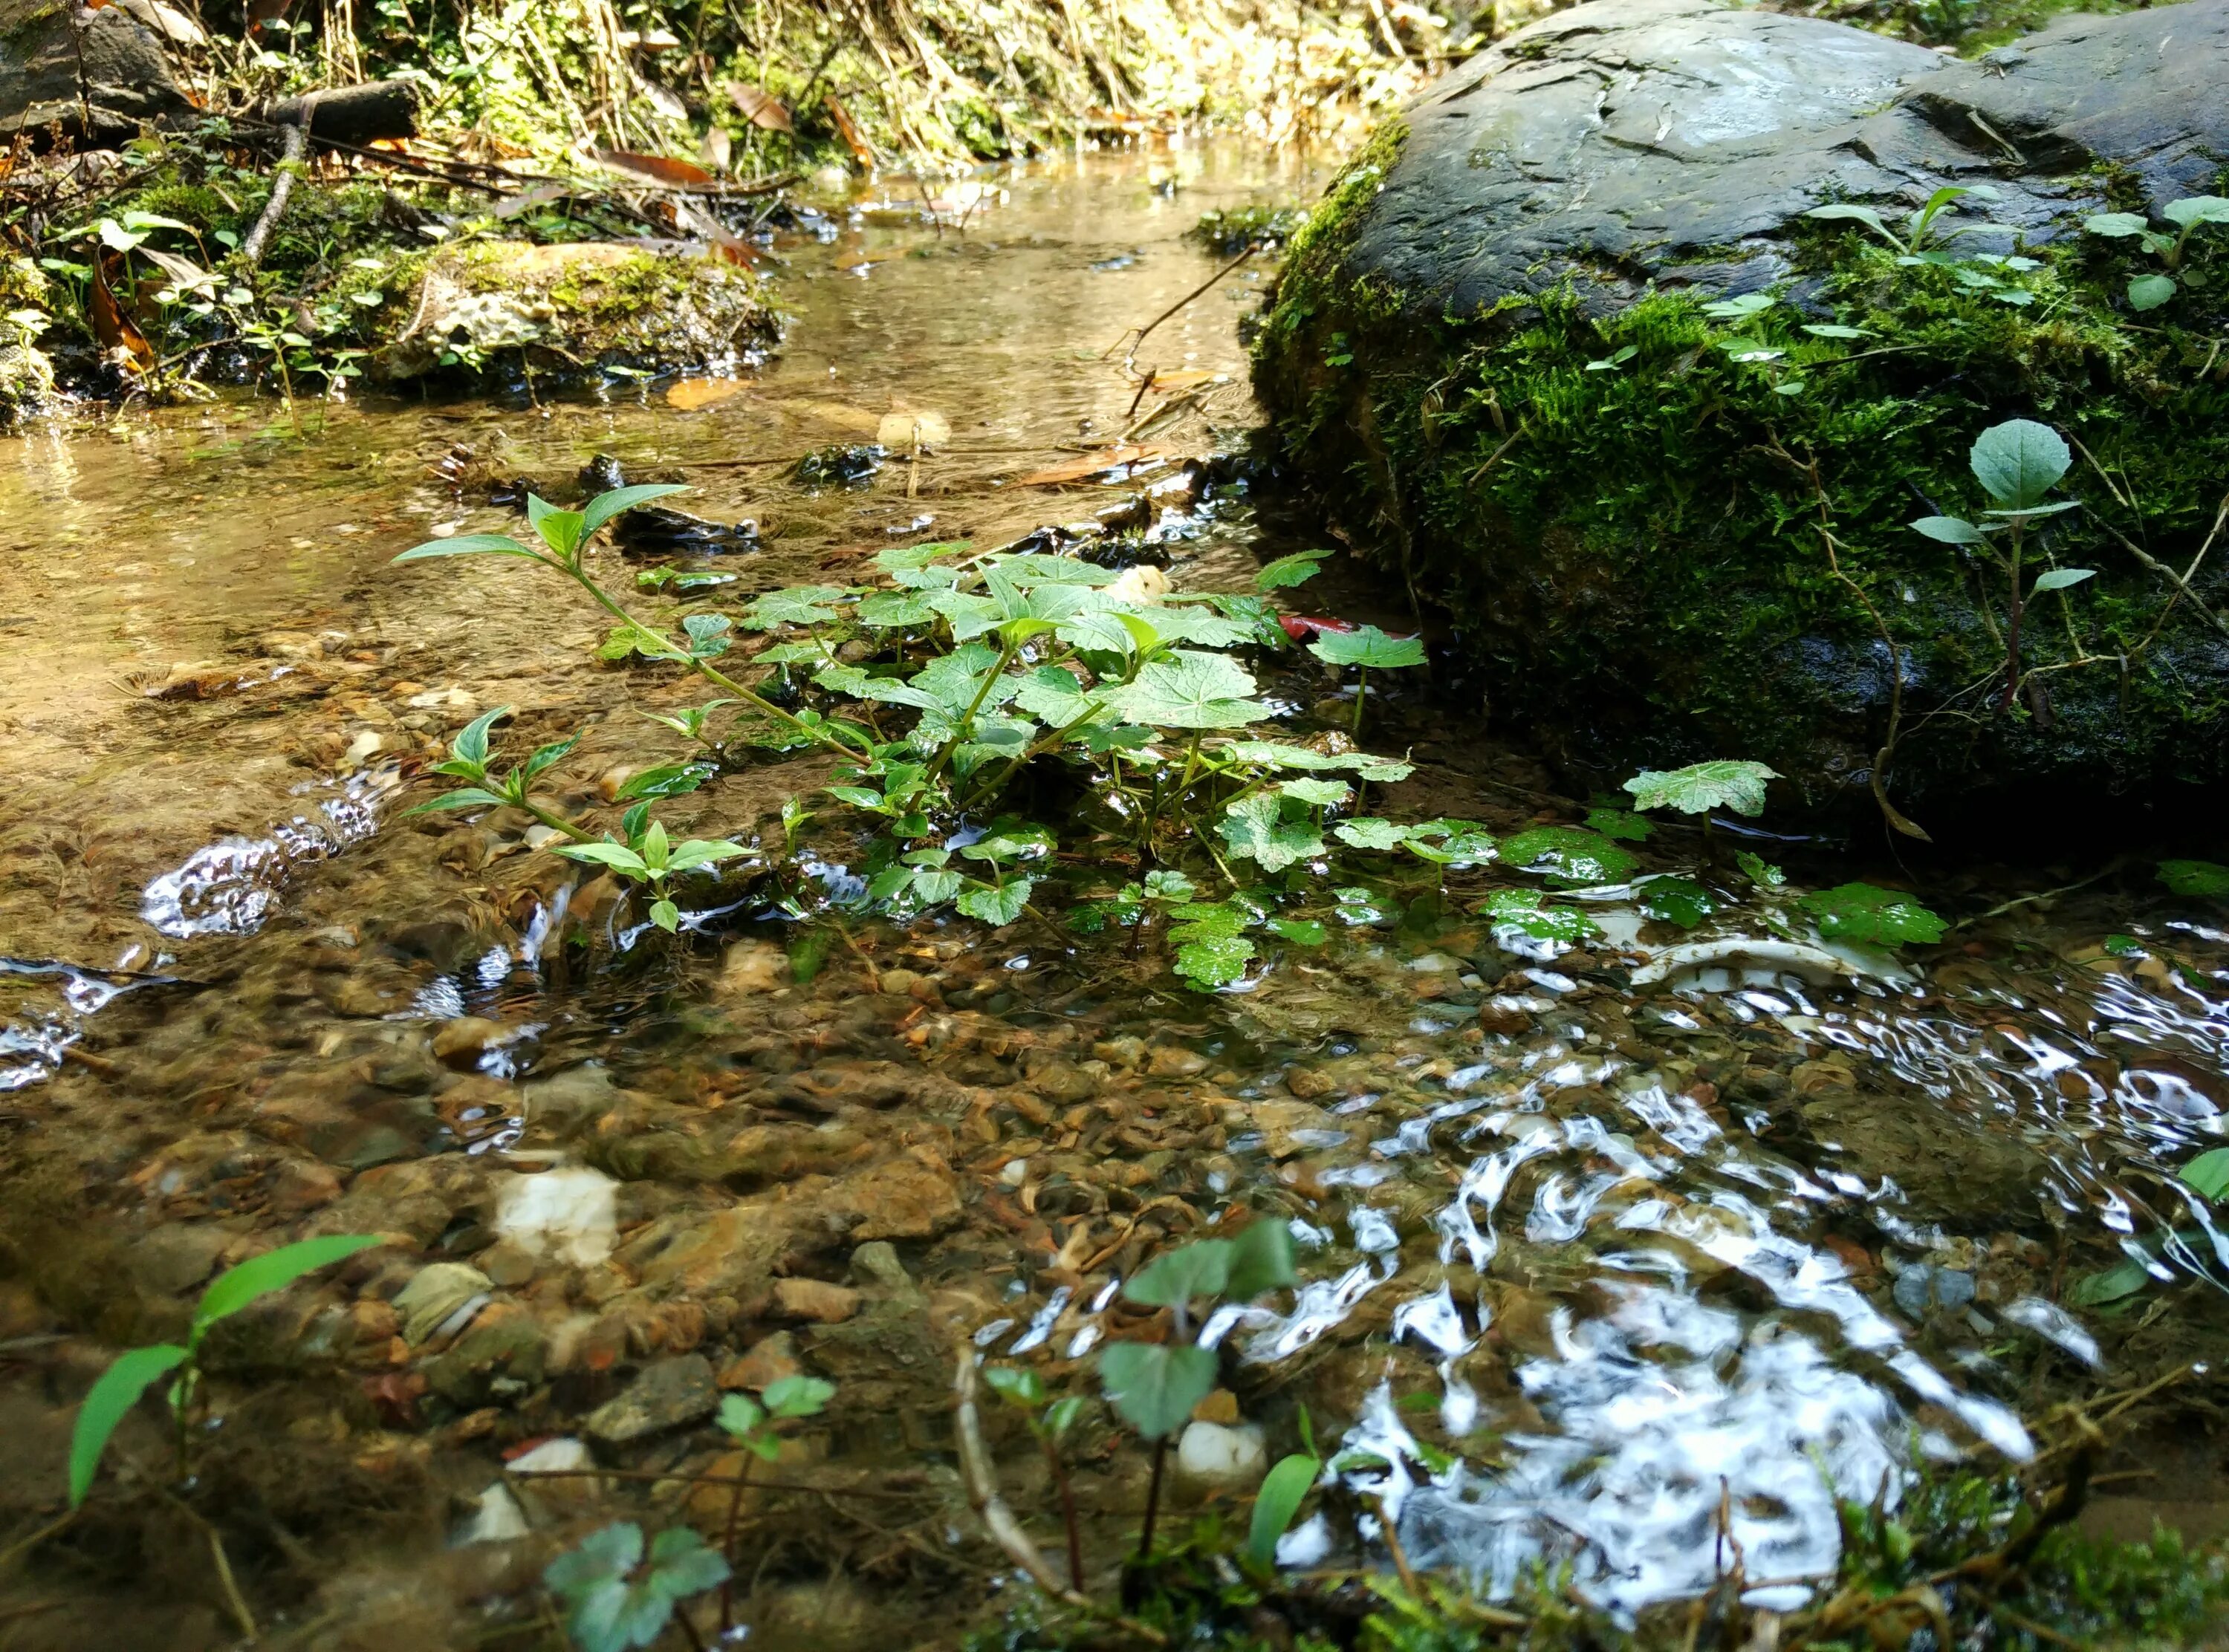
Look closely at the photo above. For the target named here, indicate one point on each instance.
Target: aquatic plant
(1024, 1389)
(616, 1596)
(135, 1371)
(1367, 649)
(755, 1425)
(1153, 1387)
(2153, 288)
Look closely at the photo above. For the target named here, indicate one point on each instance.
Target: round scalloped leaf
(1723, 782)
(1866, 916)
(1568, 855)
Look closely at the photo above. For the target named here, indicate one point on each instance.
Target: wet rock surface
(1681, 141)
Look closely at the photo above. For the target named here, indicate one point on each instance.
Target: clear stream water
(1583, 1257)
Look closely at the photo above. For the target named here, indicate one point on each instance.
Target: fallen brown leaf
(115, 329)
(758, 108)
(1084, 466)
(658, 167)
(692, 394)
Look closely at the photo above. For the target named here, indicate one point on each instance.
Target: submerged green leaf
(1568, 855)
(1521, 909)
(1866, 916)
(2208, 1174)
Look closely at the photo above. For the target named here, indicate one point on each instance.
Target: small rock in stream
(671, 1393)
(1923, 1288)
(1219, 1457)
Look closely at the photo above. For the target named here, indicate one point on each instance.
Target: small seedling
(616, 1599)
(1367, 649)
(2017, 462)
(1284, 1489)
(754, 1424)
(1155, 1385)
(134, 1371)
(2150, 291)
(1024, 1389)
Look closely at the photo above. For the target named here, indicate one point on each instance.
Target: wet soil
(1584, 1254)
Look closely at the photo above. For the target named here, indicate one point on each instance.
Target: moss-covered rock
(578, 307)
(1668, 530)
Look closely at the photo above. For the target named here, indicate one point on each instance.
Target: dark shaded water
(1593, 1238)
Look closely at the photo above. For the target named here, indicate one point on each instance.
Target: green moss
(1635, 549)
(2062, 1589)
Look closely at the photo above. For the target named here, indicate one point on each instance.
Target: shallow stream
(1595, 1243)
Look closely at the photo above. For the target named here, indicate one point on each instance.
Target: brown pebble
(767, 1360)
(816, 1300)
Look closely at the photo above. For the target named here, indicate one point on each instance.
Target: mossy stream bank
(1670, 527)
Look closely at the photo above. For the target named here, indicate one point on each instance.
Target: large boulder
(1668, 533)
(98, 75)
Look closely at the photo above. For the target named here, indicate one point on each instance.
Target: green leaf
(1317, 794)
(472, 742)
(468, 545)
(2208, 1174)
(799, 605)
(2019, 461)
(1951, 530)
(1615, 822)
(1867, 916)
(1725, 783)
(1214, 960)
(740, 1415)
(1682, 902)
(1302, 931)
(462, 798)
(2149, 291)
(560, 529)
(1170, 887)
(2096, 1289)
(624, 641)
(1740, 307)
(666, 915)
(2059, 578)
(1287, 571)
(1368, 832)
(1568, 855)
(546, 757)
(2208, 879)
(1016, 1384)
(1368, 647)
(667, 780)
(1261, 1259)
(1284, 1489)
(1153, 1389)
(2118, 225)
(1189, 689)
(692, 853)
(1521, 909)
(708, 635)
(107, 1404)
(1199, 1268)
(1254, 827)
(605, 506)
(2195, 209)
(999, 906)
(683, 1564)
(259, 1276)
(799, 1396)
(618, 856)
(1758, 871)
(1831, 329)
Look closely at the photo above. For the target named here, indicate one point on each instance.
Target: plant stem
(2012, 625)
(1067, 1514)
(1361, 693)
(704, 669)
(967, 719)
(556, 822)
(728, 1544)
(1152, 1500)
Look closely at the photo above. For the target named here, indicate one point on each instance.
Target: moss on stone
(1631, 526)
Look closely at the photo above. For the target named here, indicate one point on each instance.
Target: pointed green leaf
(1951, 530)
(2019, 461)
(468, 545)
(618, 856)
(462, 798)
(259, 1276)
(2208, 1174)
(605, 506)
(2208, 879)
(2059, 578)
(107, 1404)
(1283, 1490)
